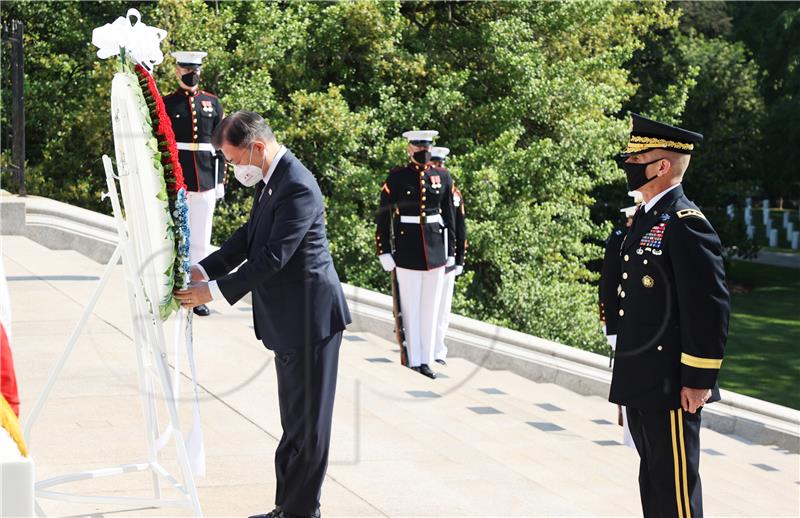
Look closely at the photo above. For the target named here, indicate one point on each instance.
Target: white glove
(219, 191)
(387, 261)
(450, 261)
(458, 270)
(612, 341)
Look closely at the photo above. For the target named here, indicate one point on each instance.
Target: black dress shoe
(426, 371)
(203, 311)
(275, 513)
(315, 514)
(441, 362)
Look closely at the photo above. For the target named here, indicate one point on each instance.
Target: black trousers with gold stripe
(668, 442)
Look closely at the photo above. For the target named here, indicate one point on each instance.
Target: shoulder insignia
(386, 189)
(686, 213)
(618, 232)
(208, 94)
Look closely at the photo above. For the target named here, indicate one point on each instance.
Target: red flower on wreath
(162, 127)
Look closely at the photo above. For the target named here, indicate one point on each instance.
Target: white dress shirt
(649, 205)
(216, 294)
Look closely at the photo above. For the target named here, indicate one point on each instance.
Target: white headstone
(748, 215)
(789, 231)
(765, 219)
(748, 201)
(785, 219)
(795, 240)
(750, 231)
(773, 237)
(731, 211)
(765, 204)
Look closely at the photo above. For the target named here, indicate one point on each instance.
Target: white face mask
(248, 175)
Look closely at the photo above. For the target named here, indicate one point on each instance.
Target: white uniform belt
(435, 218)
(196, 146)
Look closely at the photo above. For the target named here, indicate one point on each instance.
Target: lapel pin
(269, 192)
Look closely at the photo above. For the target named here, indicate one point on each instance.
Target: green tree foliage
(528, 96)
(771, 31)
(696, 75)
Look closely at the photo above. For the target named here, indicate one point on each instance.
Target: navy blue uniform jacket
(297, 296)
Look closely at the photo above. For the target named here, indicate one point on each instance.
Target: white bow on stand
(141, 41)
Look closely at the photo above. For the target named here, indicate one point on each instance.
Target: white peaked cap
(440, 152)
(629, 211)
(421, 135)
(189, 58)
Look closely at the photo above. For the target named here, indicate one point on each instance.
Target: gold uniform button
(423, 198)
(621, 312)
(626, 257)
(624, 275)
(622, 294)
(659, 348)
(645, 261)
(423, 189)
(648, 281)
(422, 207)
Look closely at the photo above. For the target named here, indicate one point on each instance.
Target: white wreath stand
(155, 379)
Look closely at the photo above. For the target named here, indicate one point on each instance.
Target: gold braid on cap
(641, 143)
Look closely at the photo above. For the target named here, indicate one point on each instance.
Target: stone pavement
(474, 443)
(785, 259)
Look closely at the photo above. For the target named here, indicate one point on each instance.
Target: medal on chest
(207, 107)
(651, 241)
(436, 182)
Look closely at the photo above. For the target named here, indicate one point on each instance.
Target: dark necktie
(637, 219)
(257, 196)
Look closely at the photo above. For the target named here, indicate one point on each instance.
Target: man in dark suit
(673, 310)
(299, 309)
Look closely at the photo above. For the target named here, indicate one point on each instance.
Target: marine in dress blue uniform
(438, 158)
(672, 321)
(194, 114)
(416, 234)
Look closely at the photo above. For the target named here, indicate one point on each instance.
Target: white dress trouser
(446, 304)
(201, 216)
(627, 439)
(420, 297)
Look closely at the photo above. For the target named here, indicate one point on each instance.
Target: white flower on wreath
(142, 42)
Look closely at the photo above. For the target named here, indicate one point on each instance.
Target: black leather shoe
(316, 514)
(442, 362)
(203, 311)
(426, 371)
(275, 513)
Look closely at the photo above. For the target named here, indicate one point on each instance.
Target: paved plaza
(475, 442)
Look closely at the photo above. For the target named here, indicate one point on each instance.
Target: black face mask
(422, 156)
(190, 79)
(636, 175)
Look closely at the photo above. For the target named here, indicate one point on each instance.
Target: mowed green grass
(762, 358)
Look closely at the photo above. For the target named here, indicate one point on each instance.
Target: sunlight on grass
(763, 356)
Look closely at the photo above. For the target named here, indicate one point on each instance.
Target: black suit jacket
(297, 296)
(673, 307)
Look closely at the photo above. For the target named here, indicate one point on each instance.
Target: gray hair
(240, 129)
